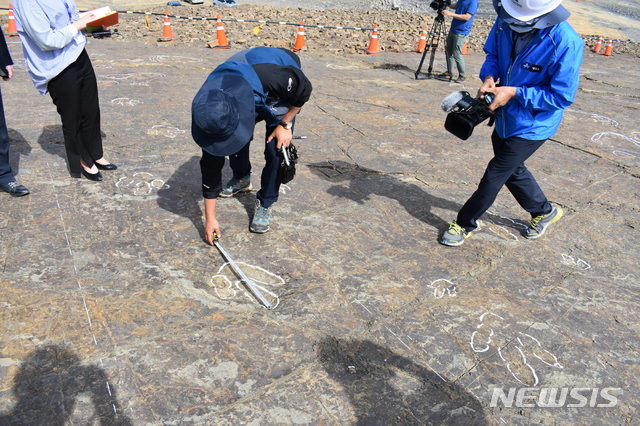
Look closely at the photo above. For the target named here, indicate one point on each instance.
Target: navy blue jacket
(241, 63)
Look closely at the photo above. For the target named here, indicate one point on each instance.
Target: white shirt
(50, 41)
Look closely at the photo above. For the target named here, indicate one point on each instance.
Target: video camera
(465, 113)
(439, 5)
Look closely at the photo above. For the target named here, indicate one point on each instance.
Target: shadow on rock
(365, 182)
(52, 141)
(51, 381)
(182, 192)
(19, 147)
(388, 389)
(416, 201)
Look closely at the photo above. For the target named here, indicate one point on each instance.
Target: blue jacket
(240, 64)
(546, 74)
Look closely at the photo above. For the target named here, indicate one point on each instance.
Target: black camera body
(289, 158)
(439, 5)
(465, 113)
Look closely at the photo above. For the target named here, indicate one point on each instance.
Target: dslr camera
(464, 113)
(439, 5)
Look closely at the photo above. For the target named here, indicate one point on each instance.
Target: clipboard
(105, 17)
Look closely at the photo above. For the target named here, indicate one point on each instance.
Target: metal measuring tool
(236, 269)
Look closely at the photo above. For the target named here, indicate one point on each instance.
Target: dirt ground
(399, 28)
(114, 310)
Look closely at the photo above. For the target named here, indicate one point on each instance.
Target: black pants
(211, 166)
(6, 175)
(75, 94)
(506, 167)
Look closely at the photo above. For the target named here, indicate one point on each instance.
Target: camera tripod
(437, 32)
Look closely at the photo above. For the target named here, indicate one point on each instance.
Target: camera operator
(461, 23)
(532, 71)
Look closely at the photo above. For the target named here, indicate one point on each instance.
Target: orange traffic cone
(299, 38)
(465, 52)
(221, 36)
(167, 32)
(598, 46)
(373, 43)
(11, 27)
(422, 42)
(609, 49)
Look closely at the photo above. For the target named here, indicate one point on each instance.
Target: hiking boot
(455, 235)
(539, 224)
(236, 185)
(261, 219)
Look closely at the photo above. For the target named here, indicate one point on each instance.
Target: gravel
(404, 37)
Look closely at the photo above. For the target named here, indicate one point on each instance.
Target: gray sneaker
(261, 219)
(455, 235)
(236, 185)
(539, 224)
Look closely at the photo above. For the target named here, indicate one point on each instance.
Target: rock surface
(113, 309)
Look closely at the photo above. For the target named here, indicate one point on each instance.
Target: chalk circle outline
(149, 184)
(233, 287)
(165, 130)
(439, 291)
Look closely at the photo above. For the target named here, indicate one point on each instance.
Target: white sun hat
(526, 10)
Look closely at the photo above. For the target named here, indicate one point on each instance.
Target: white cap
(526, 10)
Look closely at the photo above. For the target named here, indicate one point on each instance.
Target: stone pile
(402, 36)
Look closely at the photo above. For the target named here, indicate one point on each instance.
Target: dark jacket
(5, 56)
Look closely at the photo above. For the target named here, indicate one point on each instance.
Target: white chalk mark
(365, 308)
(503, 231)
(600, 118)
(263, 281)
(431, 368)
(284, 189)
(399, 118)
(524, 361)
(578, 263)
(166, 131)
(473, 381)
(342, 67)
(135, 79)
(126, 101)
(141, 183)
(75, 270)
(174, 59)
(397, 337)
(507, 343)
(442, 287)
(599, 138)
(622, 152)
(555, 363)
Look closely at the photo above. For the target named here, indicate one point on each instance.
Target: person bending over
(258, 84)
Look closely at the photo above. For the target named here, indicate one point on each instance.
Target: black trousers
(211, 166)
(506, 168)
(6, 175)
(75, 94)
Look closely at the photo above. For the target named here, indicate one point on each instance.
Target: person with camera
(262, 83)
(531, 70)
(461, 22)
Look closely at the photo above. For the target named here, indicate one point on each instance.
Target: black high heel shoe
(109, 166)
(97, 177)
